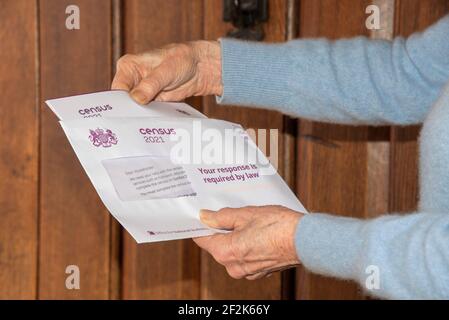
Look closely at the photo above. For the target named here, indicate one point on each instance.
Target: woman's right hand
(171, 73)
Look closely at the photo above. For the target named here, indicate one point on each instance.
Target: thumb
(228, 218)
(149, 87)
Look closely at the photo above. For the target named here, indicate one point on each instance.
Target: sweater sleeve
(351, 81)
(407, 255)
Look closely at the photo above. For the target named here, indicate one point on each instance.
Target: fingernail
(206, 216)
(138, 96)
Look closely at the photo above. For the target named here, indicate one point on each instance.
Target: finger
(175, 95)
(185, 90)
(122, 81)
(226, 218)
(151, 85)
(210, 243)
(236, 271)
(127, 74)
(218, 246)
(258, 275)
(266, 273)
(202, 241)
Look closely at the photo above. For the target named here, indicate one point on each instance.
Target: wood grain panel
(411, 16)
(337, 164)
(168, 270)
(115, 275)
(18, 150)
(215, 283)
(378, 150)
(74, 225)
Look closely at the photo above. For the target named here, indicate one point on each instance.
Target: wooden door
(74, 226)
(51, 216)
(19, 150)
(169, 270)
(357, 171)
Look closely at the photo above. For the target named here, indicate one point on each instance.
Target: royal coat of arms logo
(104, 138)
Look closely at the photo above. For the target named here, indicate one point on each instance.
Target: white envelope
(156, 166)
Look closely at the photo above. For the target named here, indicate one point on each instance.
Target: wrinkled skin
(172, 73)
(261, 239)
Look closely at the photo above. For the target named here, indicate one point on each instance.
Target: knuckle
(124, 60)
(181, 47)
(178, 49)
(235, 272)
(150, 85)
(155, 55)
(184, 48)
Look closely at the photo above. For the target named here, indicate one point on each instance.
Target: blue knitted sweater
(362, 81)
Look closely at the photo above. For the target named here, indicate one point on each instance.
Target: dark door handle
(246, 16)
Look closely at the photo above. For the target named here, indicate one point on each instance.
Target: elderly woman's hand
(261, 240)
(171, 73)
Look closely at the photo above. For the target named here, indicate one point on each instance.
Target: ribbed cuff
(247, 73)
(329, 245)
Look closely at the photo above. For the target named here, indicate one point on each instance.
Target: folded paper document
(155, 166)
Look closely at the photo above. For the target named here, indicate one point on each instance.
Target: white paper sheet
(155, 167)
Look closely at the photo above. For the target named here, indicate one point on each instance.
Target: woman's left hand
(261, 240)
